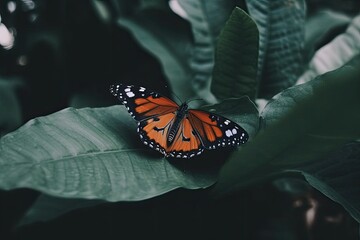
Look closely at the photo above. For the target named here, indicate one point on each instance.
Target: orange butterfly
(174, 130)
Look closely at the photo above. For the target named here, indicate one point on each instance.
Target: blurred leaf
(153, 4)
(292, 186)
(207, 19)
(319, 26)
(10, 117)
(236, 58)
(303, 124)
(336, 53)
(163, 34)
(96, 154)
(281, 27)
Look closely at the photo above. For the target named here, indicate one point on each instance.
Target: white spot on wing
(130, 94)
(228, 133)
(234, 131)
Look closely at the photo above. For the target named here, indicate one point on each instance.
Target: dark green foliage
(315, 119)
(236, 57)
(93, 176)
(96, 153)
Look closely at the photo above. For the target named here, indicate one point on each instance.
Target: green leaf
(236, 58)
(166, 37)
(320, 26)
(303, 124)
(48, 207)
(10, 117)
(336, 177)
(97, 154)
(336, 53)
(207, 19)
(281, 27)
(89, 153)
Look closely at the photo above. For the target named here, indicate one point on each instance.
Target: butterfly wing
(154, 131)
(142, 103)
(216, 131)
(155, 115)
(197, 130)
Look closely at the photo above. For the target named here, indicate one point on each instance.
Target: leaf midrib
(88, 154)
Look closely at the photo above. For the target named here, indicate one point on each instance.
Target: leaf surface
(97, 154)
(335, 54)
(207, 19)
(304, 124)
(236, 58)
(281, 27)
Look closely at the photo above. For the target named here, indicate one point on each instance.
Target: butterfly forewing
(216, 131)
(142, 103)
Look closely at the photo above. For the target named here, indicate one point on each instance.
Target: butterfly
(175, 130)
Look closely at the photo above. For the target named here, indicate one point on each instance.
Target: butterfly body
(180, 114)
(173, 130)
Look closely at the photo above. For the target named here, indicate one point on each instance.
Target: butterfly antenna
(195, 99)
(177, 97)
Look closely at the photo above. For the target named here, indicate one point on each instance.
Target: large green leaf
(319, 27)
(164, 35)
(281, 27)
(10, 117)
(207, 19)
(136, 183)
(335, 54)
(96, 154)
(236, 58)
(303, 125)
(89, 153)
(336, 176)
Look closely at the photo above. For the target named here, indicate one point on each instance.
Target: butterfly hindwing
(142, 103)
(216, 131)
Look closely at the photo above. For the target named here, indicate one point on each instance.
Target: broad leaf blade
(336, 53)
(281, 27)
(96, 154)
(241, 111)
(10, 117)
(236, 58)
(89, 153)
(259, 10)
(207, 19)
(172, 46)
(319, 27)
(336, 176)
(318, 118)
